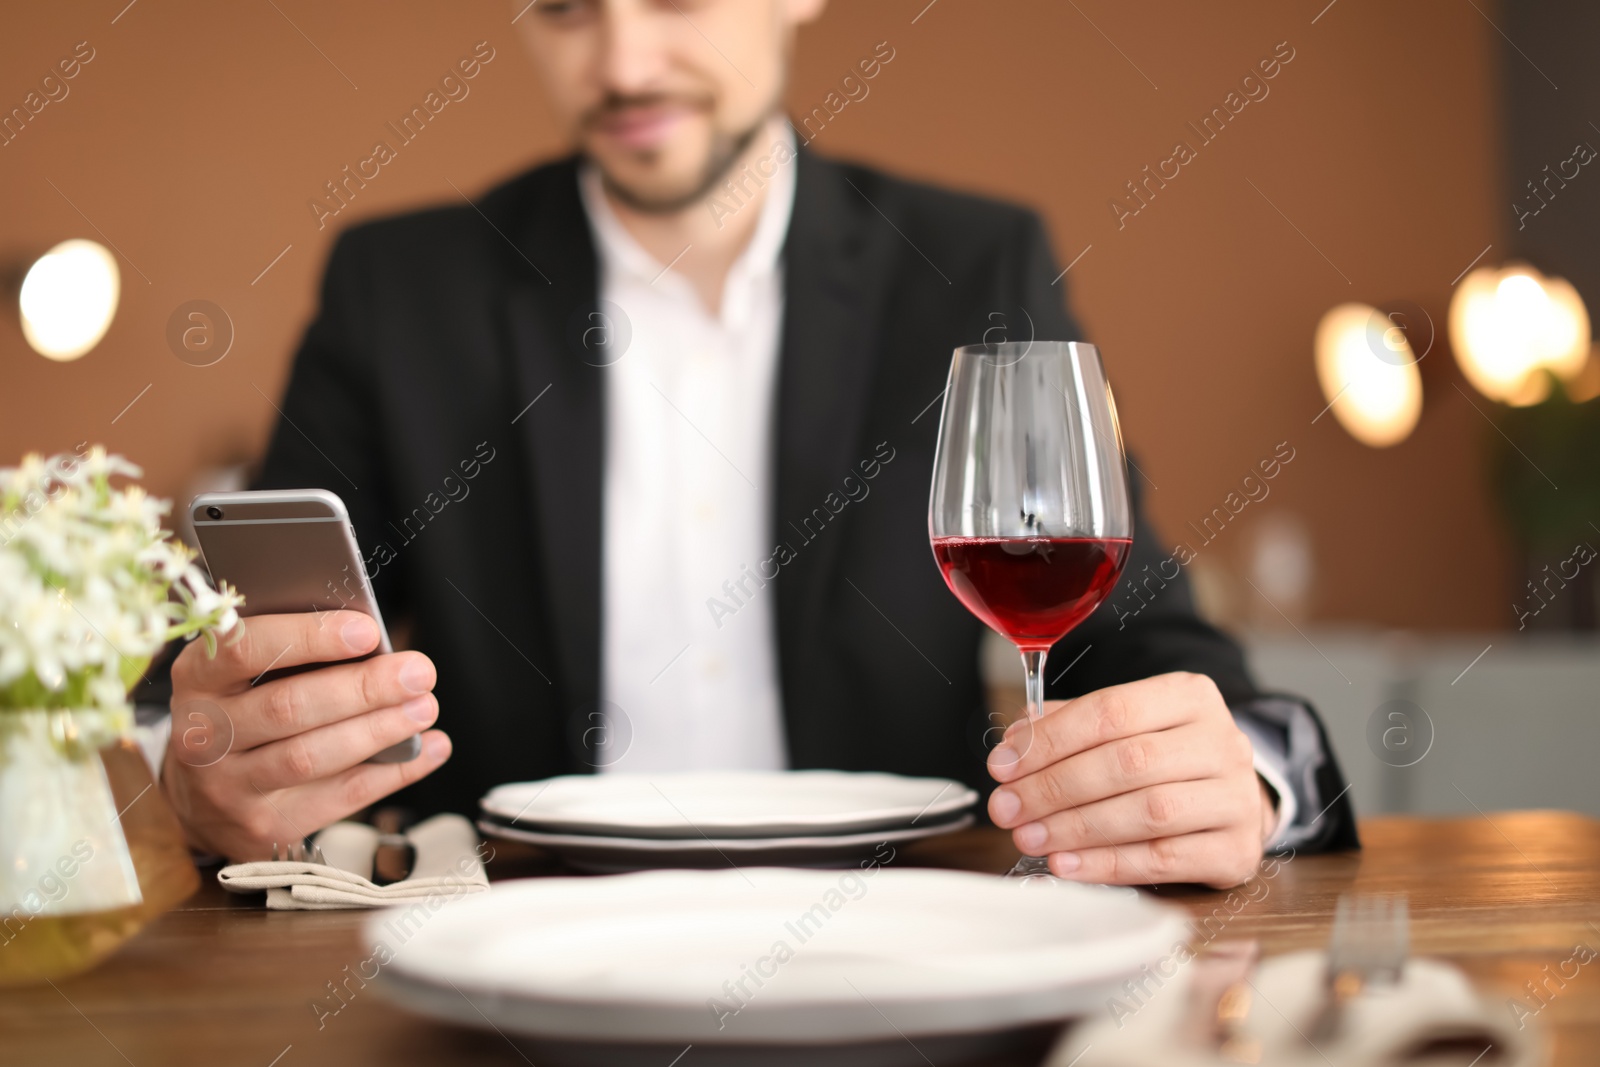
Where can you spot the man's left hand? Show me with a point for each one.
(1136, 784)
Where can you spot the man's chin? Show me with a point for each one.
(653, 183)
(654, 193)
(664, 181)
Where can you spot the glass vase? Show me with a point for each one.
(90, 852)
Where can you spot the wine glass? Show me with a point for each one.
(1029, 515)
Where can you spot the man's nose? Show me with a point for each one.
(635, 46)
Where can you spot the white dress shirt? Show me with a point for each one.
(689, 670)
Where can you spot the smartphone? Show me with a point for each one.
(291, 550)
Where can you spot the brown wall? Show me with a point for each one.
(196, 136)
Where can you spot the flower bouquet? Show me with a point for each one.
(91, 587)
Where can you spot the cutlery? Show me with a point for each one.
(1368, 947)
(396, 855)
(297, 852)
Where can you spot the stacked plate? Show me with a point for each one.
(876, 966)
(620, 822)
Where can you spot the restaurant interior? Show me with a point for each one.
(1339, 261)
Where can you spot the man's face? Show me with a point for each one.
(663, 94)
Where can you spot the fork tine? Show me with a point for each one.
(1341, 939)
(297, 852)
(1371, 933)
(1401, 947)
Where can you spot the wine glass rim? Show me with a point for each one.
(1018, 349)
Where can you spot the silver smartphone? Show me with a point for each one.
(291, 550)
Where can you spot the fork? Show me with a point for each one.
(1370, 941)
(298, 852)
(396, 855)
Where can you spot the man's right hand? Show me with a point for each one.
(296, 746)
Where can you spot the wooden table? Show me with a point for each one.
(223, 981)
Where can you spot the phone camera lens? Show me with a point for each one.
(214, 512)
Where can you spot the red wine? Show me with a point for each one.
(1032, 590)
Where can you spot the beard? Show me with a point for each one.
(725, 151)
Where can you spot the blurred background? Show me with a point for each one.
(1421, 566)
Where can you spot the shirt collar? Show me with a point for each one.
(619, 251)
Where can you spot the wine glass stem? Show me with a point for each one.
(1033, 668)
(1033, 868)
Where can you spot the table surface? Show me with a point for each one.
(221, 980)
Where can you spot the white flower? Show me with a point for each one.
(86, 581)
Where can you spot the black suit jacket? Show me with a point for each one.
(453, 342)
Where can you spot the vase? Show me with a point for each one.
(90, 852)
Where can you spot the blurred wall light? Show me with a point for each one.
(68, 298)
(1508, 324)
(1368, 374)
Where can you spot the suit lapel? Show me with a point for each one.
(833, 299)
(558, 406)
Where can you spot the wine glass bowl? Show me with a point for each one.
(1031, 590)
(1029, 516)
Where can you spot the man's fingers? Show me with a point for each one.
(272, 641)
(1167, 810)
(1106, 715)
(334, 798)
(329, 750)
(1218, 858)
(288, 706)
(287, 815)
(1183, 754)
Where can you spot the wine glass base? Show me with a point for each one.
(1032, 870)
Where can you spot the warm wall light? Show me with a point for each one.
(68, 299)
(1585, 385)
(1368, 374)
(1507, 325)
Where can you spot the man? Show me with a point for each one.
(641, 441)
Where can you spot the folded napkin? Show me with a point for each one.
(1431, 1012)
(447, 864)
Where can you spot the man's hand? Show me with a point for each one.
(1135, 784)
(252, 765)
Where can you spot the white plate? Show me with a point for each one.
(600, 852)
(726, 803)
(822, 958)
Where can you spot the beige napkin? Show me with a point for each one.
(447, 864)
(1432, 1007)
